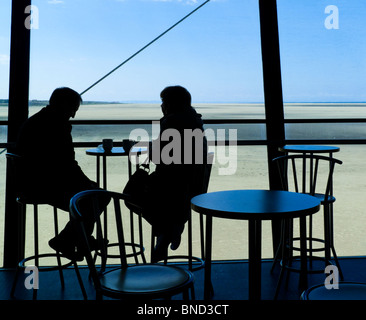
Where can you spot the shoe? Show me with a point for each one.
(67, 249)
(175, 243)
(160, 251)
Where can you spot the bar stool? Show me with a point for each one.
(304, 169)
(345, 291)
(23, 201)
(194, 263)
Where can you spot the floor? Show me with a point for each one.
(229, 279)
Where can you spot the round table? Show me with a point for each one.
(254, 206)
(309, 149)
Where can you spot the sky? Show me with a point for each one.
(215, 53)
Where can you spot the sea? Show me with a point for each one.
(214, 111)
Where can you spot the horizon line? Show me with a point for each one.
(31, 101)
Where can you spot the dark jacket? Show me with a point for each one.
(49, 166)
(174, 184)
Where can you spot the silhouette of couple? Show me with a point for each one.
(52, 172)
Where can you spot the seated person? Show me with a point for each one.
(174, 181)
(49, 169)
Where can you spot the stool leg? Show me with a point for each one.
(331, 240)
(190, 265)
(22, 230)
(141, 241)
(284, 252)
(55, 219)
(279, 248)
(132, 230)
(35, 228)
(36, 249)
(152, 242)
(310, 240)
(326, 234)
(15, 281)
(193, 294)
(80, 281)
(337, 264)
(186, 293)
(289, 246)
(303, 272)
(202, 235)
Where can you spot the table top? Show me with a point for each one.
(309, 149)
(255, 204)
(116, 151)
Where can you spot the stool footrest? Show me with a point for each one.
(140, 251)
(197, 263)
(45, 268)
(296, 259)
(308, 249)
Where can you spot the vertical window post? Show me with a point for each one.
(17, 114)
(273, 98)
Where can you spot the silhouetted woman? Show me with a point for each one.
(178, 158)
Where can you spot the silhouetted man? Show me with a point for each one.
(50, 170)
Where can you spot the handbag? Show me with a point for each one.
(137, 187)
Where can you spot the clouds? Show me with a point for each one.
(56, 1)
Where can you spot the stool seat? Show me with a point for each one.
(126, 281)
(160, 279)
(345, 291)
(322, 196)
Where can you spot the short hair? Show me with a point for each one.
(176, 98)
(66, 98)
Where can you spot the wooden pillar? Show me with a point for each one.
(17, 114)
(273, 98)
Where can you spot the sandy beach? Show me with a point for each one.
(230, 237)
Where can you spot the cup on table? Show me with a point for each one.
(127, 144)
(107, 145)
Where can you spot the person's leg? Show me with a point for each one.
(171, 235)
(69, 239)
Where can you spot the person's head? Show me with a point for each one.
(66, 100)
(175, 99)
